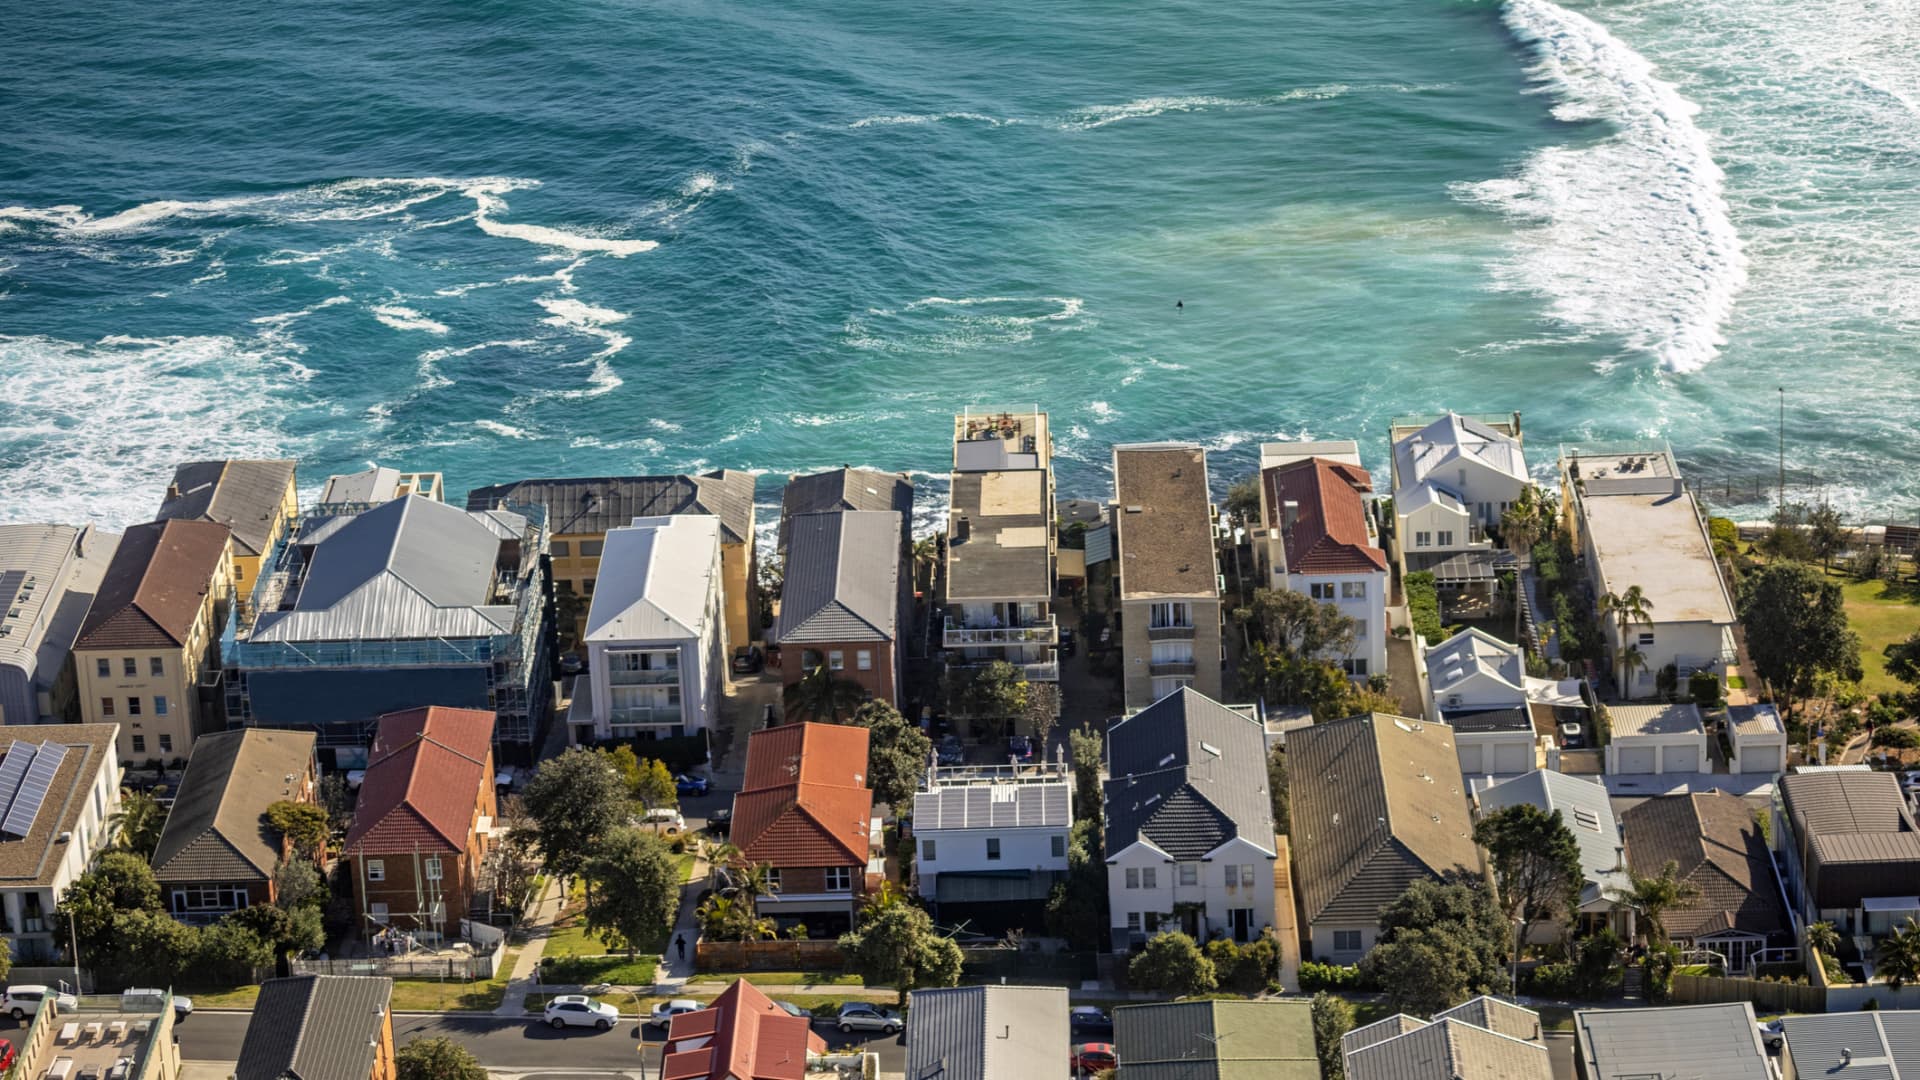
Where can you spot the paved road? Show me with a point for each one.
(507, 1043)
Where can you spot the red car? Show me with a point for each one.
(1094, 1058)
(6, 1055)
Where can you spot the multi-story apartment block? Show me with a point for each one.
(1317, 537)
(1167, 574)
(61, 786)
(256, 500)
(48, 577)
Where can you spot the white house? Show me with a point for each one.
(1759, 739)
(1317, 537)
(991, 835)
(1452, 481)
(1190, 842)
(1478, 684)
(1656, 739)
(61, 786)
(656, 633)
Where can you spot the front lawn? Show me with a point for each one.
(1882, 614)
(409, 995)
(585, 970)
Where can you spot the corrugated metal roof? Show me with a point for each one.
(842, 578)
(993, 806)
(1476, 656)
(1269, 1039)
(1188, 774)
(1856, 836)
(248, 497)
(1628, 721)
(1587, 812)
(42, 553)
(1502, 1017)
(1454, 438)
(656, 576)
(1688, 1042)
(1379, 1031)
(1450, 1049)
(985, 1032)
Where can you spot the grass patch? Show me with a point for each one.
(1882, 614)
(788, 978)
(685, 862)
(820, 1005)
(583, 970)
(1737, 682)
(569, 937)
(409, 995)
(225, 997)
(1555, 1018)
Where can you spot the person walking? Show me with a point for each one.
(680, 946)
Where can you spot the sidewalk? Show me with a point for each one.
(526, 966)
(674, 969)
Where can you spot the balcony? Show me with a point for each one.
(646, 715)
(1170, 667)
(1047, 672)
(1041, 632)
(649, 677)
(1170, 633)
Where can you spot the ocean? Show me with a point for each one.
(511, 238)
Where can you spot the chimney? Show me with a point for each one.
(173, 491)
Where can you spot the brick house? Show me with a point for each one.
(805, 812)
(841, 601)
(741, 1036)
(424, 818)
(217, 853)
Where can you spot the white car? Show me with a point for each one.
(579, 1010)
(664, 819)
(144, 999)
(664, 1012)
(23, 1000)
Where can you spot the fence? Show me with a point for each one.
(993, 964)
(768, 956)
(61, 977)
(461, 967)
(1770, 996)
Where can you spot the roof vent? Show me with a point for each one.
(1151, 799)
(1210, 748)
(1336, 817)
(1166, 761)
(1135, 509)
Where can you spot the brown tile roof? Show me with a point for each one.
(1330, 534)
(217, 829)
(1715, 843)
(154, 586)
(1163, 516)
(424, 775)
(34, 859)
(743, 1036)
(1377, 803)
(804, 800)
(246, 496)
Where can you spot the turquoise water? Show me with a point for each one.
(517, 237)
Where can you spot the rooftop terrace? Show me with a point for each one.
(998, 438)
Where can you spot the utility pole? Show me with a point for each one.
(73, 938)
(1783, 448)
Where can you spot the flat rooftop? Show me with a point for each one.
(999, 538)
(997, 438)
(1610, 463)
(1646, 531)
(97, 1044)
(1655, 720)
(1275, 454)
(1164, 515)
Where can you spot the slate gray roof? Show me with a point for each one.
(1379, 1031)
(315, 1027)
(410, 568)
(726, 494)
(844, 489)
(1450, 1049)
(1855, 834)
(217, 829)
(1588, 814)
(245, 496)
(1687, 1042)
(1188, 774)
(1377, 802)
(842, 578)
(1270, 1039)
(994, 806)
(985, 1032)
(1884, 1045)
(1495, 1015)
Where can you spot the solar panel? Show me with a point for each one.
(34, 788)
(12, 771)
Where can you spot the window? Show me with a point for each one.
(1133, 922)
(376, 869)
(129, 666)
(1446, 537)
(926, 850)
(1189, 873)
(1133, 877)
(139, 744)
(563, 586)
(1163, 616)
(209, 898)
(1233, 876)
(166, 744)
(587, 585)
(562, 548)
(1359, 629)
(863, 659)
(106, 706)
(590, 549)
(431, 865)
(1423, 539)
(1646, 638)
(159, 705)
(839, 879)
(378, 911)
(1353, 590)
(1320, 590)
(133, 706)
(1246, 874)
(1346, 941)
(1059, 846)
(103, 668)
(1355, 666)
(1149, 878)
(156, 666)
(993, 847)
(773, 879)
(836, 660)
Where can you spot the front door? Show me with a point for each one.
(1190, 923)
(1242, 920)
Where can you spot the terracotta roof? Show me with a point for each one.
(1715, 843)
(155, 585)
(424, 775)
(1330, 534)
(743, 1036)
(804, 800)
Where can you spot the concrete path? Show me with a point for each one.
(675, 969)
(526, 966)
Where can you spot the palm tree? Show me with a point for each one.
(1824, 937)
(1524, 521)
(139, 821)
(821, 695)
(1653, 897)
(1627, 608)
(1898, 957)
(926, 552)
(1631, 661)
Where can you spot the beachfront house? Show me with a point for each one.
(377, 484)
(1166, 571)
(841, 599)
(844, 489)
(61, 786)
(1453, 478)
(48, 577)
(1317, 537)
(256, 500)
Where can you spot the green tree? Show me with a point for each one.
(1826, 534)
(338, 800)
(995, 692)
(229, 952)
(1654, 896)
(1086, 748)
(1796, 623)
(1822, 936)
(1172, 964)
(1440, 943)
(1296, 624)
(437, 1058)
(305, 824)
(1243, 501)
(897, 945)
(732, 918)
(1625, 609)
(125, 880)
(1332, 1019)
(1077, 907)
(139, 821)
(1787, 540)
(1898, 957)
(298, 884)
(1536, 862)
(822, 696)
(1277, 790)
(1903, 660)
(637, 888)
(627, 764)
(897, 754)
(573, 801)
(656, 788)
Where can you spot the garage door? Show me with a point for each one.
(1682, 759)
(1512, 758)
(1470, 759)
(1760, 759)
(1635, 759)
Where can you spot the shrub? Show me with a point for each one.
(1704, 688)
(1423, 606)
(1243, 969)
(1901, 738)
(1315, 976)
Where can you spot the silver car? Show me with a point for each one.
(862, 1016)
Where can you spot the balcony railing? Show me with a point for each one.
(645, 714)
(1041, 632)
(1170, 633)
(1170, 667)
(649, 677)
(1047, 672)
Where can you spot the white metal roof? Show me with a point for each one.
(655, 576)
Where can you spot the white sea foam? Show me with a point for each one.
(487, 200)
(665, 425)
(1102, 411)
(945, 325)
(1098, 116)
(504, 430)
(899, 119)
(1630, 235)
(585, 319)
(405, 318)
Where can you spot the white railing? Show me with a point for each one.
(649, 677)
(645, 715)
(1044, 632)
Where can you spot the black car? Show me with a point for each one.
(1089, 1022)
(720, 822)
(748, 659)
(1067, 641)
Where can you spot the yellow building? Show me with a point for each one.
(148, 654)
(580, 511)
(256, 500)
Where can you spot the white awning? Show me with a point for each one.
(1891, 903)
(1564, 693)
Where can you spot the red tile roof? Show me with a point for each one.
(804, 801)
(155, 586)
(745, 1037)
(424, 776)
(1330, 534)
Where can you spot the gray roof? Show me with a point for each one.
(1884, 1045)
(1751, 720)
(656, 577)
(1689, 1042)
(616, 500)
(217, 829)
(1495, 1015)
(1269, 1039)
(1856, 836)
(844, 489)
(842, 578)
(65, 565)
(1450, 1049)
(315, 1027)
(1627, 721)
(994, 806)
(410, 568)
(1188, 774)
(1586, 811)
(245, 496)
(985, 1032)
(1481, 721)
(999, 536)
(1379, 1031)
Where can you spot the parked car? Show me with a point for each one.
(571, 664)
(1067, 641)
(950, 751)
(1089, 1020)
(1572, 735)
(579, 1010)
(143, 998)
(863, 1016)
(1094, 1058)
(720, 822)
(1020, 748)
(748, 659)
(1773, 1035)
(23, 1000)
(664, 1012)
(687, 784)
(6, 1055)
(663, 819)
(791, 1009)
